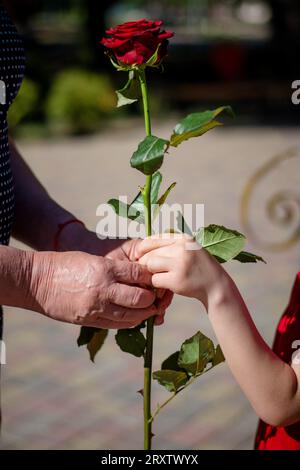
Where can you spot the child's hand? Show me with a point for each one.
(179, 264)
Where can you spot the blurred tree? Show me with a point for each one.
(79, 101)
(25, 104)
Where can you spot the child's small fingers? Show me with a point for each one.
(169, 251)
(162, 280)
(156, 263)
(159, 264)
(144, 259)
(152, 243)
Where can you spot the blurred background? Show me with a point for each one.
(239, 52)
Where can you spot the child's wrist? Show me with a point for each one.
(220, 292)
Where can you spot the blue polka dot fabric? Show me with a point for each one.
(12, 64)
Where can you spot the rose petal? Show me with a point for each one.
(166, 35)
(135, 42)
(130, 58)
(134, 26)
(136, 33)
(129, 25)
(113, 43)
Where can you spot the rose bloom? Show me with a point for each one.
(135, 42)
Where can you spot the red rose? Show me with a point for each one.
(135, 42)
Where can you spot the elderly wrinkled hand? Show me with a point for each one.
(76, 237)
(83, 289)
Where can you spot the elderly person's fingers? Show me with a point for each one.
(159, 320)
(130, 296)
(162, 305)
(110, 325)
(160, 293)
(121, 315)
(128, 272)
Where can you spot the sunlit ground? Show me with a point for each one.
(53, 397)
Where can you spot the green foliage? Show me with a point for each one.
(86, 334)
(152, 62)
(172, 380)
(182, 226)
(25, 104)
(196, 356)
(79, 101)
(161, 201)
(218, 357)
(93, 338)
(246, 257)
(124, 210)
(138, 203)
(131, 341)
(130, 92)
(171, 363)
(135, 211)
(197, 124)
(225, 244)
(149, 156)
(96, 343)
(221, 242)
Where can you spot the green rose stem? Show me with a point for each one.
(150, 323)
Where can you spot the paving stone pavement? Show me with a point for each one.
(52, 396)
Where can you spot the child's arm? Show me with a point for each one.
(271, 385)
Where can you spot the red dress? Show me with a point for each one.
(286, 342)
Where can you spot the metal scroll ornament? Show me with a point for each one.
(282, 208)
